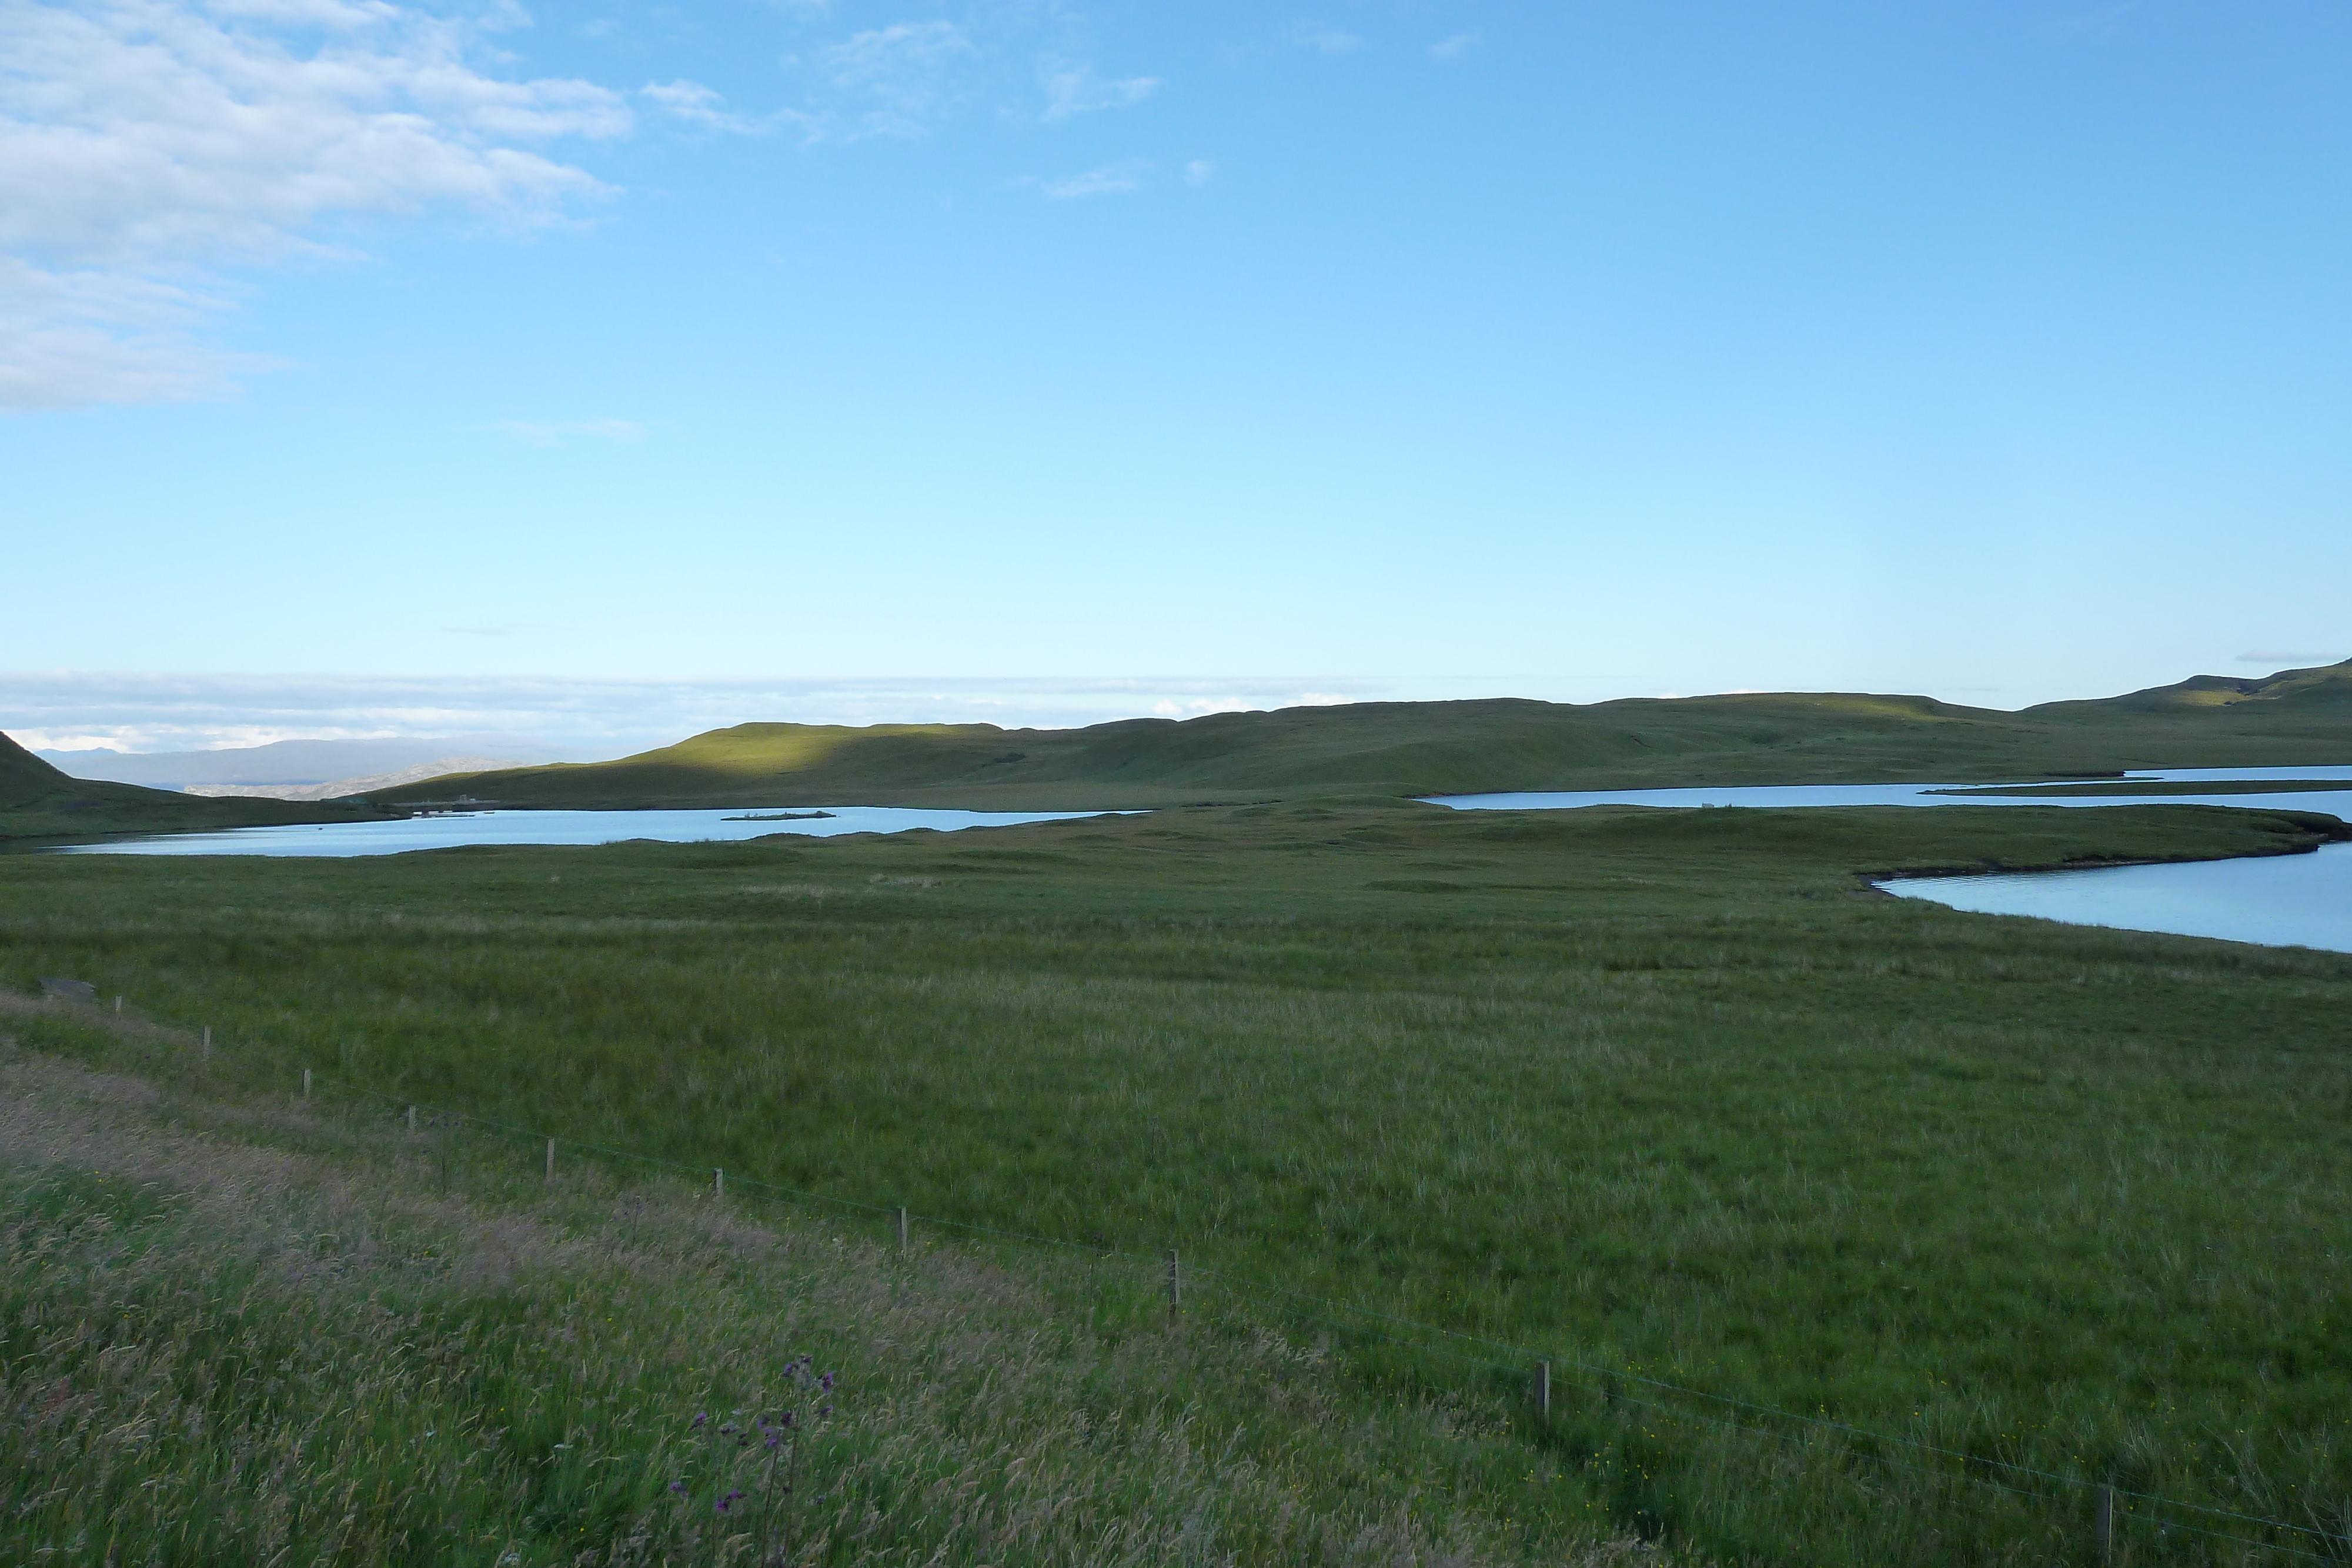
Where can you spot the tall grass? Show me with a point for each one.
(232, 1332)
(1667, 1098)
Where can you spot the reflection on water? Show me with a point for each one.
(443, 832)
(2294, 901)
(2284, 901)
(2335, 803)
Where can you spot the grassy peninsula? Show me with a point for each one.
(1659, 1095)
(2295, 717)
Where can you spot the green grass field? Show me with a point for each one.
(254, 1330)
(1667, 1093)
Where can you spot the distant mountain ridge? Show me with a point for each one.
(37, 801)
(298, 762)
(2292, 717)
(336, 788)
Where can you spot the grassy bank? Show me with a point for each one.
(1666, 1093)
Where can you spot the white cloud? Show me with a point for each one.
(1111, 180)
(146, 127)
(146, 146)
(1197, 171)
(1076, 89)
(143, 140)
(1455, 47)
(558, 432)
(1328, 40)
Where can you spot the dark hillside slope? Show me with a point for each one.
(36, 801)
(1420, 748)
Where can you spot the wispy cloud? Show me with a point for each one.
(1455, 47)
(558, 432)
(2100, 22)
(904, 74)
(145, 142)
(2259, 656)
(1327, 40)
(153, 150)
(693, 104)
(1199, 172)
(1072, 89)
(1109, 180)
(70, 339)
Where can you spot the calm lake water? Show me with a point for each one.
(2292, 900)
(2335, 803)
(552, 828)
(2286, 900)
(2283, 901)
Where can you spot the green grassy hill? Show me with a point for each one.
(36, 801)
(2298, 716)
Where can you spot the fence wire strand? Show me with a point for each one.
(1524, 1355)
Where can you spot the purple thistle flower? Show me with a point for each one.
(677, 1487)
(828, 1382)
(825, 1410)
(785, 1425)
(700, 1417)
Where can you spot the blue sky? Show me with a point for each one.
(610, 370)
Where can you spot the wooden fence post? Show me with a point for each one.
(1543, 1392)
(306, 1084)
(550, 1159)
(412, 1118)
(718, 1184)
(117, 1006)
(902, 1228)
(1175, 1285)
(2103, 1525)
(209, 1042)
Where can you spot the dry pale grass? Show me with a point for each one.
(249, 1332)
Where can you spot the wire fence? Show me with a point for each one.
(1614, 1387)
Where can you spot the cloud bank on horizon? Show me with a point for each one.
(68, 710)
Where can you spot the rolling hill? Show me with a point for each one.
(37, 801)
(2294, 717)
